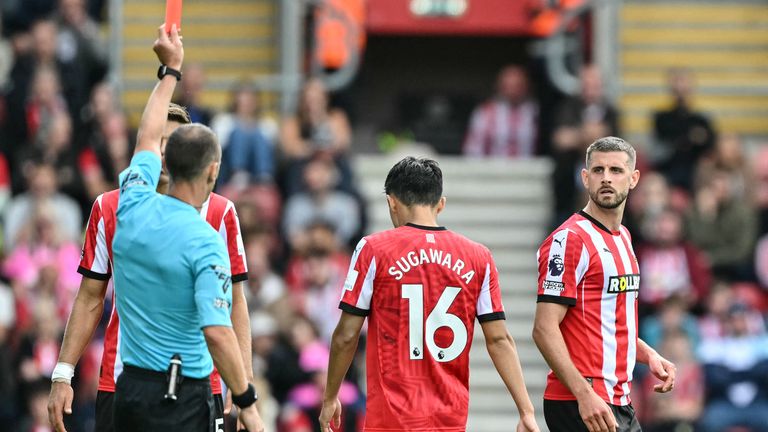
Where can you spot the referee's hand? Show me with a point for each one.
(251, 419)
(59, 402)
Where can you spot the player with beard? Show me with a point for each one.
(586, 314)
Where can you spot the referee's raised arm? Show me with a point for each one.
(170, 52)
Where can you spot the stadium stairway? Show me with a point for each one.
(232, 39)
(725, 42)
(504, 204)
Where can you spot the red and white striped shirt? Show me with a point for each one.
(96, 263)
(422, 289)
(593, 270)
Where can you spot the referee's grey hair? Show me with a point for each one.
(612, 144)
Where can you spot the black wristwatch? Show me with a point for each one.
(246, 399)
(165, 70)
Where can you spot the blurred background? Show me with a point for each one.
(314, 100)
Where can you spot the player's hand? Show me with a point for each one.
(251, 419)
(330, 415)
(59, 402)
(664, 370)
(169, 48)
(527, 423)
(597, 415)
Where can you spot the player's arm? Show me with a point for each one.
(549, 339)
(86, 312)
(170, 52)
(241, 323)
(501, 348)
(343, 348)
(660, 367)
(355, 305)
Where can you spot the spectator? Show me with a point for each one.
(579, 121)
(54, 145)
(507, 125)
(670, 266)
(6, 59)
(188, 94)
(736, 371)
(680, 409)
(42, 189)
(650, 198)
(264, 340)
(265, 290)
(318, 296)
(80, 40)
(589, 111)
(38, 349)
(8, 413)
(42, 263)
(321, 202)
(37, 408)
(317, 128)
(672, 317)
(248, 157)
(722, 226)
(760, 169)
(682, 135)
(728, 157)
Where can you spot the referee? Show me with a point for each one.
(172, 277)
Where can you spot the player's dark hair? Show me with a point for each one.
(415, 182)
(178, 114)
(611, 144)
(190, 149)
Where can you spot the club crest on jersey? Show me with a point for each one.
(624, 284)
(556, 265)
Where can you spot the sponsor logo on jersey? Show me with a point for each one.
(624, 283)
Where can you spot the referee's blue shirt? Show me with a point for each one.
(171, 275)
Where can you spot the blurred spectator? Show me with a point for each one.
(317, 294)
(736, 367)
(283, 370)
(39, 348)
(436, 124)
(712, 325)
(6, 60)
(55, 146)
(43, 263)
(682, 135)
(80, 40)
(189, 92)
(306, 399)
(723, 227)
(670, 266)
(321, 202)
(7, 374)
(507, 125)
(5, 183)
(37, 408)
(678, 410)
(42, 189)
(247, 156)
(264, 340)
(265, 290)
(650, 198)
(728, 157)
(583, 114)
(317, 128)
(578, 122)
(760, 169)
(672, 317)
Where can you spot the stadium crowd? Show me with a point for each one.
(699, 219)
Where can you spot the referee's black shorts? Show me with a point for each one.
(140, 406)
(563, 416)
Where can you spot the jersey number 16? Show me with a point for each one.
(439, 317)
